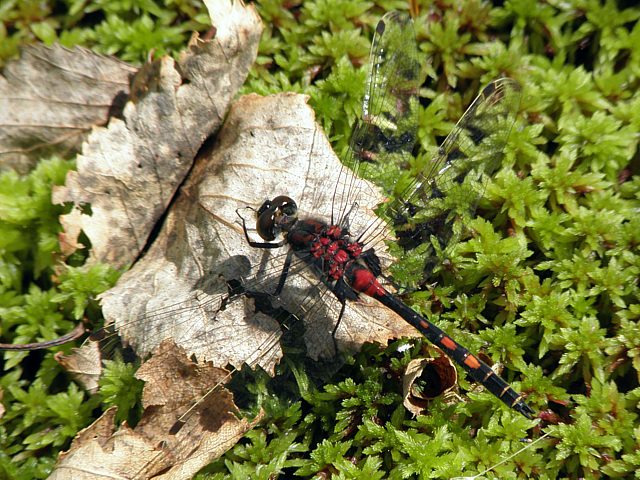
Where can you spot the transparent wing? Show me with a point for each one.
(437, 201)
(389, 112)
(209, 323)
(386, 135)
(434, 204)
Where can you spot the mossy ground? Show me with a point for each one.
(547, 284)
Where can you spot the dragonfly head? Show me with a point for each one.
(275, 216)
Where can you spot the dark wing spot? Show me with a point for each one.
(436, 192)
(489, 89)
(476, 134)
(455, 154)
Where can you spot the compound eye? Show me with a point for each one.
(275, 216)
(266, 205)
(286, 205)
(265, 224)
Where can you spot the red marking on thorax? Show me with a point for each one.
(355, 249)
(334, 232)
(329, 244)
(341, 256)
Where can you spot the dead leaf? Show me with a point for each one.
(69, 240)
(129, 171)
(173, 383)
(84, 364)
(438, 376)
(52, 96)
(267, 147)
(179, 289)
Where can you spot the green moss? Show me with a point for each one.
(40, 300)
(546, 282)
(130, 29)
(552, 278)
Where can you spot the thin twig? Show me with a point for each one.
(77, 332)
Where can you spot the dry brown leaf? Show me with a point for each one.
(130, 170)
(84, 363)
(267, 147)
(442, 375)
(173, 383)
(52, 96)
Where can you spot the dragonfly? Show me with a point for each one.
(336, 254)
(338, 251)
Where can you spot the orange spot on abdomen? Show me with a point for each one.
(472, 362)
(446, 342)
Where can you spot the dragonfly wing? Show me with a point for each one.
(385, 137)
(389, 113)
(447, 192)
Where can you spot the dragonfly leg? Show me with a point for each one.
(335, 328)
(284, 273)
